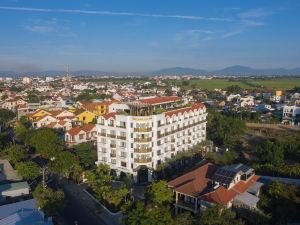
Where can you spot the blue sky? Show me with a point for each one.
(145, 35)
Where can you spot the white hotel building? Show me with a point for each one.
(136, 140)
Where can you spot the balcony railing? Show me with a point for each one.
(121, 137)
(103, 134)
(113, 145)
(121, 126)
(141, 140)
(111, 135)
(188, 205)
(142, 129)
(142, 150)
(113, 155)
(142, 160)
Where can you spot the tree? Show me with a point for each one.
(142, 214)
(49, 200)
(6, 116)
(217, 215)
(235, 89)
(116, 196)
(28, 170)
(21, 132)
(168, 92)
(224, 130)
(64, 164)
(86, 154)
(281, 201)
(270, 151)
(159, 193)
(16, 153)
(46, 142)
(184, 218)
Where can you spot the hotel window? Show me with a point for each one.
(104, 159)
(123, 164)
(113, 161)
(123, 144)
(123, 154)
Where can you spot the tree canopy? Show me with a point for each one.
(28, 170)
(49, 200)
(16, 153)
(46, 142)
(86, 153)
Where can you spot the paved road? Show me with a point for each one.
(77, 209)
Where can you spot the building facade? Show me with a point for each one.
(137, 140)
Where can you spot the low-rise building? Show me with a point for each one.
(78, 135)
(291, 115)
(209, 184)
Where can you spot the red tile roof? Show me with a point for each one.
(194, 182)
(74, 131)
(242, 186)
(160, 100)
(110, 115)
(192, 108)
(222, 195)
(88, 127)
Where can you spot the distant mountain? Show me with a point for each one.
(179, 71)
(247, 71)
(228, 71)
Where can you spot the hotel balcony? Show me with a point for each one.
(103, 134)
(141, 140)
(142, 129)
(113, 155)
(111, 135)
(142, 150)
(142, 160)
(186, 205)
(121, 126)
(121, 137)
(113, 145)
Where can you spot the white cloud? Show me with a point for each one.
(255, 13)
(112, 13)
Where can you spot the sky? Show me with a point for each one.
(147, 35)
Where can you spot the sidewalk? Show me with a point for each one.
(78, 191)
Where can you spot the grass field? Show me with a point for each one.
(272, 83)
(220, 83)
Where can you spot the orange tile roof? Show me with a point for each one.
(194, 182)
(110, 115)
(88, 127)
(222, 195)
(192, 108)
(242, 186)
(74, 131)
(160, 100)
(55, 112)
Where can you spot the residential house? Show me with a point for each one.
(208, 185)
(78, 135)
(291, 115)
(84, 116)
